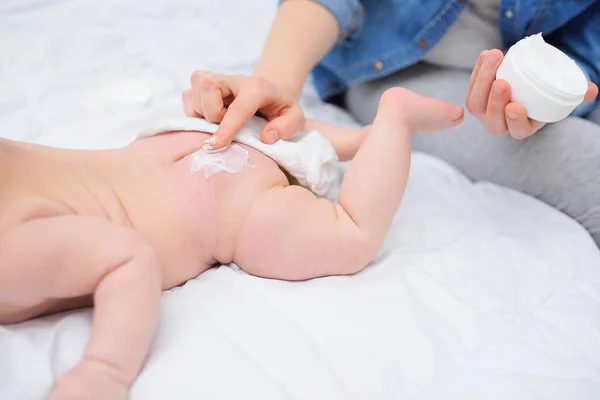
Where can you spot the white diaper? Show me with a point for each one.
(308, 156)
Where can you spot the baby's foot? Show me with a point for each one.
(90, 380)
(420, 113)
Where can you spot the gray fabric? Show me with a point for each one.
(475, 30)
(595, 116)
(559, 165)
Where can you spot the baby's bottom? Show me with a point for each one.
(290, 234)
(559, 165)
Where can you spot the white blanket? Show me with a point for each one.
(479, 292)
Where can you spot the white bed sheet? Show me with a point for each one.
(479, 292)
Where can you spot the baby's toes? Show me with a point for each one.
(430, 115)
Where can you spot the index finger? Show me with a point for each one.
(238, 113)
(474, 74)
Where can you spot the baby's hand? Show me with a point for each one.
(420, 113)
(90, 381)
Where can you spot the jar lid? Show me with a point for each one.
(549, 69)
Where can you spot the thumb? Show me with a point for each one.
(284, 126)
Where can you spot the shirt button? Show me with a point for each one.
(509, 14)
(334, 86)
(462, 1)
(423, 43)
(378, 65)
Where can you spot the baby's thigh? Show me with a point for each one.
(291, 234)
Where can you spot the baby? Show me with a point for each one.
(113, 228)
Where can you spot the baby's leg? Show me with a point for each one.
(70, 256)
(345, 141)
(308, 237)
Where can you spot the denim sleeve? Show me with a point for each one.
(348, 14)
(580, 40)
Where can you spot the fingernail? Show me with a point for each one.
(272, 136)
(212, 151)
(512, 116)
(209, 144)
(491, 59)
(499, 90)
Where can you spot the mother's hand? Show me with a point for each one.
(231, 100)
(488, 99)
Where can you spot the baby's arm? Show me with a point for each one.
(68, 256)
(290, 234)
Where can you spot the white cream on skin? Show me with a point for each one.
(308, 157)
(231, 159)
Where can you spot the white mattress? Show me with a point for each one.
(479, 292)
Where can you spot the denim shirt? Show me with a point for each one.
(379, 37)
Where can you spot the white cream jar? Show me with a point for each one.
(543, 79)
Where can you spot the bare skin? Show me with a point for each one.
(113, 228)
